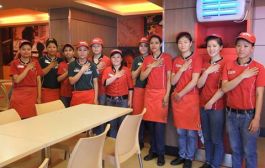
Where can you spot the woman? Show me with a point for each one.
(212, 103)
(49, 64)
(156, 69)
(139, 86)
(119, 87)
(243, 81)
(66, 88)
(102, 62)
(84, 77)
(185, 99)
(26, 74)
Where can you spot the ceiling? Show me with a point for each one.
(15, 12)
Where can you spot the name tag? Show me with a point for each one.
(47, 61)
(178, 65)
(88, 72)
(139, 63)
(230, 72)
(76, 70)
(20, 66)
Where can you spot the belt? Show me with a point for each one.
(117, 97)
(241, 111)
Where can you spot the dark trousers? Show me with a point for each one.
(157, 137)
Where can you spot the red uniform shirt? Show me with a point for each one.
(212, 84)
(30, 80)
(157, 79)
(243, 96)
(186, 76)
(120, 86)
(66, 87)
(107, 63)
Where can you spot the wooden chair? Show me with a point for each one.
(44, 163)
(49, 107)
(87, 152)
(4, 101)
(118, 150)
(8, 116)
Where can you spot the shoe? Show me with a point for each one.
(160, 160)
(150, 156)
(206, 165)
(177, 161)
(187, 163)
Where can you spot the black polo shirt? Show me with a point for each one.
(50, 79)
(136, 63)
(86, 80)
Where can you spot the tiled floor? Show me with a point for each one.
(57, 155)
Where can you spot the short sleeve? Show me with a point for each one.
(38, 69)
(168, 63)
(94, 70)
(135, 64)
(71, 69)
(129, 79)
(61, 69)
(13, 69)
(261, 77)
(42, 62)
(197, 64)
(225, 72)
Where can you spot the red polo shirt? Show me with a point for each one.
(66, 87)
(157, 79)
(212, 84)
(120, 86)
(186, 76)
(17, 67)
(243, 96)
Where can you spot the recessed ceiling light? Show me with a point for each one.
(1, 6)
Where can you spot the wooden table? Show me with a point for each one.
(54, 127)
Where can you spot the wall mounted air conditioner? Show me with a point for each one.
(220, 10)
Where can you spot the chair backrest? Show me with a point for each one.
(44, 163)
(49, 107)
(8, 116)
(127, 142)
(4, 101)
(88, 151)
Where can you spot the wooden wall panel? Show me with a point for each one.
(59, 31)
(177, 21)
(129, 30)
(176, 4)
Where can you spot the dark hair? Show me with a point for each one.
(253, 44)
(183, 34)
(51, 40)
(217, 39)
(68, 45)
(28, 33)
(155, 36)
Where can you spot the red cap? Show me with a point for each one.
(96, 40)
(115, 51)
(144, 40)
(82, 43)
(247, 36)
(23, 42)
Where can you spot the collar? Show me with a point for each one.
(49, 58)
(158, 56)
(99, 59)
(245, 64)
(188, 57)
(215, 62)
(24, 63)
(114, 70)
(77, 61)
